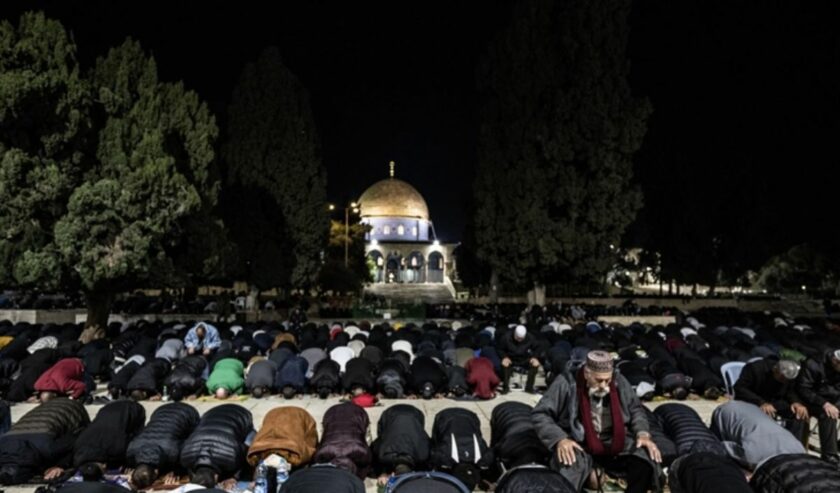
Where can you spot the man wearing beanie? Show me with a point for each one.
(819, 388)
(518, 348)
(771, 385)
(594, 418)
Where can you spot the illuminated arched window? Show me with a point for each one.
(414, 231)
(400, 230)
(386, 230)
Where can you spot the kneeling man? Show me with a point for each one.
(593, 417)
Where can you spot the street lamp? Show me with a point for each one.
(355, 208)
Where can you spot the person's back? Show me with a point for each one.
(401, 438)
(218, 442)
(65, 378)
(290, 432)
(106, 439)
(227, 376)
(159, 444)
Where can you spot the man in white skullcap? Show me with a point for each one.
(518, 348)
(594, 418)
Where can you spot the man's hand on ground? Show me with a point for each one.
(651, 447)
(566, 451)
(53, 473)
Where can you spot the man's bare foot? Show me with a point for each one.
(32, 400)
(155, 397)
(192, 397)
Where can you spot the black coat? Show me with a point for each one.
(326, 375)
(219, 440)
(313, 480)
(160, 442)
(757, 385)
(684, 426)
(149, 377)
(705, 472)
(109, 434)
(30, 369)
(119, 379)
(187, 375)
(457, 379)
(533, 478)
(97, 357)
(795, 473)
(424, 370)
(42, 438)
(513, 438)
(401, 438)
(358, 372)
(261, 374)
(459, 428)
(90, 487)
(519, 352)
(819, 382)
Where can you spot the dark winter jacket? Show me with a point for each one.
(358, 372)
(426, 370)
(31, 369)
(556, 415)
(150, 376)
(261, 374)
(326, 375)
(312, 480)
(513, 438)
(819, 382)
(533, 478)
(456, 439)
(187, 376)
(757, 385)
(97, 357)
(706, 472)
(344, 441)
(796, 473)
(457, 379)
(108, 436)
(519, 352)
(392, 377)
(401, 438)
(219, 440)
(159, 444)
(686, 428)
(42, 438)
(292, 374)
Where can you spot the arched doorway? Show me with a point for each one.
(376, 264)
(435, 267)
(414, 269)
(392, 268)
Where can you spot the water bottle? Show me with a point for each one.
(165, 396)
(261, 481)
(282, 472)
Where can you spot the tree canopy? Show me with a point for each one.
(559, 127)
(105, 172)
(272, 144)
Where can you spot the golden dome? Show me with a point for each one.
(392, 197)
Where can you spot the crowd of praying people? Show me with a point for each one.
(591, 420)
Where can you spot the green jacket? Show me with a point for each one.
(227, 374)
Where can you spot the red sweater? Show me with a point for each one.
(482, 376)
(65, 377)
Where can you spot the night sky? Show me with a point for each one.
(396, 80)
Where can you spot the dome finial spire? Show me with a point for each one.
(392, 165)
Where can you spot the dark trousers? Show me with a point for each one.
(529, 384)
(797, 427)
(828, 432)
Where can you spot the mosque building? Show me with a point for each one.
(401, 245)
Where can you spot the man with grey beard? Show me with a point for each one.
(593, 417)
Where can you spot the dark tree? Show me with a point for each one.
(116, 199)
(559, 127)
(272, 146)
